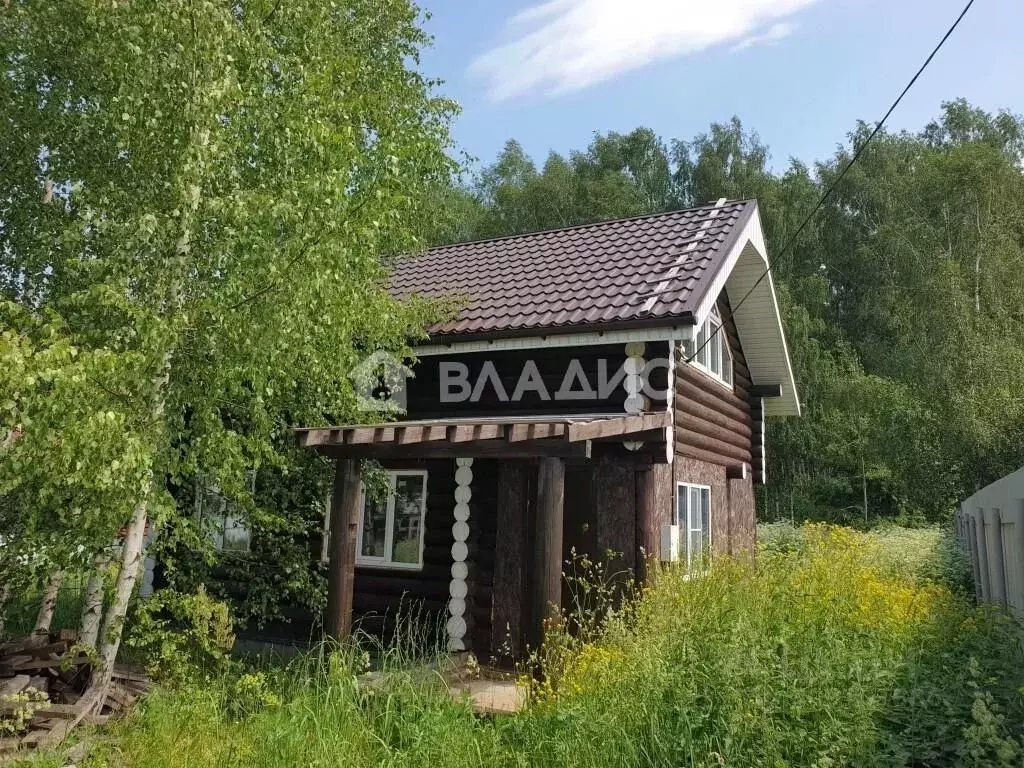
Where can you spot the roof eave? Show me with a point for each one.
(668, 322)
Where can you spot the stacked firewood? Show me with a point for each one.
(43, 685)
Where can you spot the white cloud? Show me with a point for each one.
(773, 34)
(565, 45)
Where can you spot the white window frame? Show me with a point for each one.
(717, 347)
(686, 526)
(365, 561)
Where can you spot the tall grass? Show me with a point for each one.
(834, 648)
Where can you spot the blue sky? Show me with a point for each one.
(800, 72)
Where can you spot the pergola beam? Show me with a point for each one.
(619, 427)
(497, 449)
(509, 437)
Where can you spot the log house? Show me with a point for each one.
(604, 389)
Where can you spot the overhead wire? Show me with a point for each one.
(835, 182)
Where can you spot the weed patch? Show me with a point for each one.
(833, 648)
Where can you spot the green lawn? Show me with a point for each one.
(836, 648)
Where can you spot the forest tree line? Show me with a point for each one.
(903, 299)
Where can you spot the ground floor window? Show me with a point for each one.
(220, 518)
(391, 528)
(693, 516)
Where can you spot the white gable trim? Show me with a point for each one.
(758, 321)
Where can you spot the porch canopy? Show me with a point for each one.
(497, 437)
(549, 441)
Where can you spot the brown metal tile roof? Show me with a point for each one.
(615, 273)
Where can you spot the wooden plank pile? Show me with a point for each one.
(43, 685)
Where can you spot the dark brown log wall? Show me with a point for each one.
(382, 594)
(714, 423)
(514, 511)
(483, 524)
(718, 427)
(614, 490)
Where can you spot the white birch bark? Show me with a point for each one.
(41, 632)
(92, 609)
(5, 595)
(113, 622)
(131, 564)
(977, 263)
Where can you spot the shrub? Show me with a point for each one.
(182, 636)
(17, 709)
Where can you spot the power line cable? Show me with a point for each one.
(835, 182)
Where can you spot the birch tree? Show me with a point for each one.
(92, 605)
(202, 191)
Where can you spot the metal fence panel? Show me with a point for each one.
(990, 527)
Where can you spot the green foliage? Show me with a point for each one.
(250, 693)
(928, 554)
(68, 450)
(281, 572)
(182, 636)
(598, 597)
(197, 201)
(18, 709)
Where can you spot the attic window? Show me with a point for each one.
(714, 357)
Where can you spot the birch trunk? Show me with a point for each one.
(977, 264)
(92, 610)
(977, 283)
(5, 595)
(113, 622)
(41, 633)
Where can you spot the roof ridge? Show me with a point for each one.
(713, 205)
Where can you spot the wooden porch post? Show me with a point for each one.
(341, 567)
(547, 597)
(509, 621)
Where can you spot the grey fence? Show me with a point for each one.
(990, 526)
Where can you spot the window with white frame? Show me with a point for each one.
(391, 528)
(714, 357)
(693, 516)
(220, 517)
